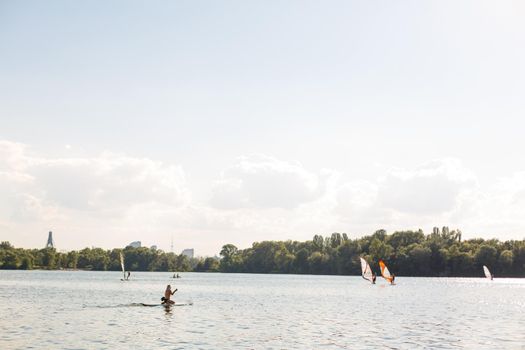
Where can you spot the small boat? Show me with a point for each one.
(386, 273)
(366, 271)
(487, 273)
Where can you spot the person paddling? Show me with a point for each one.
(166, 299)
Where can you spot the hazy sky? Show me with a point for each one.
(237, 121)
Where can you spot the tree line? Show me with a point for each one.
(97, 259)
(407, 253)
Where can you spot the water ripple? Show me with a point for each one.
(93, 310)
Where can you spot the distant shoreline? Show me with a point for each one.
(442, 253)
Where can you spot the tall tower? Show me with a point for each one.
(50, 243)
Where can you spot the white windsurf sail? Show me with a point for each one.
(384, 272)
(487, 272)
(122, 265)
(366, 271)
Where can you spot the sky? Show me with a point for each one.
(214, 122)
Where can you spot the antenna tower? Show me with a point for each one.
(50, 242)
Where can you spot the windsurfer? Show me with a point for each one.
(129, 274)
(393, 278)
(373, 278)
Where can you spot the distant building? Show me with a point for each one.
(50, 242)
(153, 247)
(188, 252)
(136, 244)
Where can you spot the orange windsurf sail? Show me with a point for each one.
(384, 271)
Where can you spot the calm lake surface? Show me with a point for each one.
(95, 310)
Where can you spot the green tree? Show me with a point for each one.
(183, 263)
(318, 243)
(318, 263)
(49, 258)
(208, 265)
(380, 250)
(405, 238)
(348, 254)
(27, 262)
(420, 257)
(486, 255)
(519, 257)
(263, 256)
(230, 258)
(301, 264)
(72, 259)
(11, 260)
(6, 245)
(336, 240)
(505, 261)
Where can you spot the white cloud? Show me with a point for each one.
(501, 208)
(259, 181)
(433, 188)
(438, 192)
(435, 193)
(355, 196)
(12, 156)
(111, 199)
(261, 198)
(109, 184)
(105, 200)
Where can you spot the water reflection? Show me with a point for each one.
(168, 310)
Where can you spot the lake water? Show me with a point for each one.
(95, 310)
